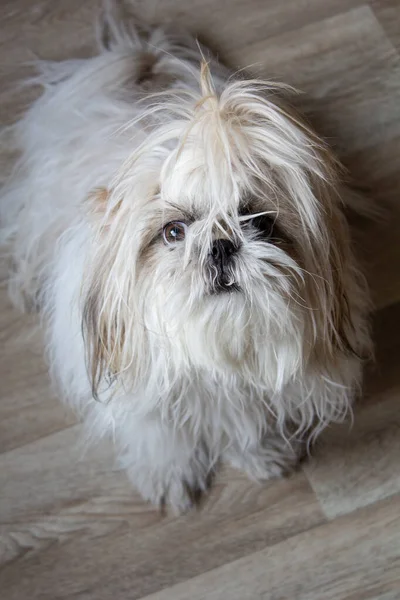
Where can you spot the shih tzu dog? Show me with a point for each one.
(182, 234)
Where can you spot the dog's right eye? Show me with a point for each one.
(264, 224)
(174, 232)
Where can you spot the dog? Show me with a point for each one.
(182, 234)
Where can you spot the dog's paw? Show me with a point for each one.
(172, 491)
(181, 496)
(178, 485)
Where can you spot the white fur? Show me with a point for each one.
(180, 376)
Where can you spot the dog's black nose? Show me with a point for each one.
(221, 252)
(222, 274)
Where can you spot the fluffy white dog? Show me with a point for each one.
(182, 234)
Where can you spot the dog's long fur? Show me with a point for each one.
(140, 339)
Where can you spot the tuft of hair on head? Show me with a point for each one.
(206, 84)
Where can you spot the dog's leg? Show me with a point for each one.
(166, 466)
(271, 457)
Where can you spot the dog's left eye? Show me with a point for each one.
(264, 224)
(174, 232)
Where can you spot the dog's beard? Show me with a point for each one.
(241, 319)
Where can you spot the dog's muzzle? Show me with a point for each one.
(221, 262)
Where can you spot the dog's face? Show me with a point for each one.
(218, 271)
(221, 248)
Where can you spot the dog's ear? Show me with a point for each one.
(108, 308)
(338, 290)
(335, 290)
(102, 335)
(115, 338)
(103, 341)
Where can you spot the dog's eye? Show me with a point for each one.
(264, 224)
(174, 232)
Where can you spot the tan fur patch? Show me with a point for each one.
(99, 198)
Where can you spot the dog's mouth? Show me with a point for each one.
(223, 282)
(224, 287)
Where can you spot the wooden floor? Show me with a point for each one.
(70, 525)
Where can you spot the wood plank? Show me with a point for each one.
(354, 467)
(76, 527)
(353, 558)
(382, 377)
(29, 407)
(349, 71)
(42, 24)
(230, 27)
(376, 171)
(350, 469)
(388, 14)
